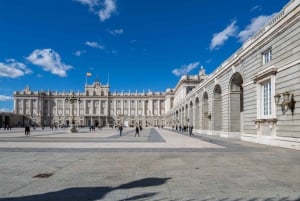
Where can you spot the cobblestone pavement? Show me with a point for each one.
(159, 165)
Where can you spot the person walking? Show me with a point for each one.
(27, 129)
(191, 130)
(137, 131)
(120, 129)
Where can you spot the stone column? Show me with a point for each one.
(15, 107)
(56, 111)
(92, 107)
(23, 107)
(158, 107)
(143, 109)
(136, 108)
(115, 108)
(64, 107)
(49, 107)
(122, 107)
(78, 108)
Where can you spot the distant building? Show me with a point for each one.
(95, 106)
(254, 95)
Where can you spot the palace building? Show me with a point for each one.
(254, 95)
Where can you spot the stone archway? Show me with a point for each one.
(217, 109)
(205, 115)
(191, 114)
(236, 103)
(186, 115)
(197, 113)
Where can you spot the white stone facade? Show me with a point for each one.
(96, 106)
(237, 100)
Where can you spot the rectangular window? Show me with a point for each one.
(267, 56)
(267, 101)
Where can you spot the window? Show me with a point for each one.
(267, 56)
(267, 94)
(265, 86)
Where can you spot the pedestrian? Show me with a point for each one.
(191, 130)
(120, 129)
(137, 131)
(27, 130)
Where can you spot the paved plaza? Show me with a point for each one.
(158, 165)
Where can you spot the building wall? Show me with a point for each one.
(243, 116)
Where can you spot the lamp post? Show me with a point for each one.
(72, 99)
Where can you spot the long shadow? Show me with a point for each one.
(92, 193)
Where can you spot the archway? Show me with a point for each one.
(197, 113)
(205, 115)
(191, 114)
(236, 103)
(186, 115)
(217, 109)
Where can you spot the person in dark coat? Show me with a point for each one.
(137, 131)
(191, 130)
(27, 130)
(120, 129)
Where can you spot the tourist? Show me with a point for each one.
(137, 131)
(27, 130)
(191, 130)
(120, 129)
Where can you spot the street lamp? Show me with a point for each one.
(72, 99)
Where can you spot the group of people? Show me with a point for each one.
(184, 129)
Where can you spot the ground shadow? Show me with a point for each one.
(93, 193)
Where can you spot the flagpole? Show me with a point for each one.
(108, 78)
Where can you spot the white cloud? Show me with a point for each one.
(50, 61)
(94, 45)
(13, 69)
(5, 110)
(90, 3)
(109, 8)
(5, 98)
(104, 10)
(79, 53)
(254, 26)
(185, 69)
(257, 7)
(116, 32)
(220, 38)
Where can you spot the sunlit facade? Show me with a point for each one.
(252, 96)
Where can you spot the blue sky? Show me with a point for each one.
(138, 44)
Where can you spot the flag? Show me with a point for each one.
(88, 74)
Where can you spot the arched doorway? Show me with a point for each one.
(205, 115)
(217, 109)
(191, 114)
(236, 103)
(197, 113)
(186, 115)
